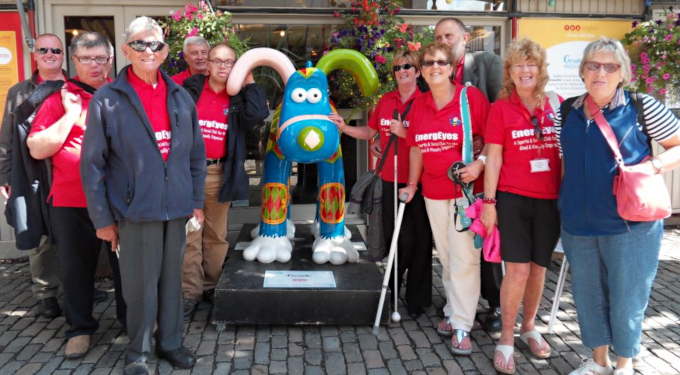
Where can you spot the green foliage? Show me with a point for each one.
(215, 27)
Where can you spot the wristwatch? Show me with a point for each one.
(482, 158)
(657, 164)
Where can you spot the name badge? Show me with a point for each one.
(540, 165)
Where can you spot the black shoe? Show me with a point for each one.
(440, 312)
(99, 296)
(178, 358)
(415, 312)
(136, 368)
(49, 308)
(189, 307)
(209, 296)
(494, 320)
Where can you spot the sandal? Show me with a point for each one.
(444, 327)
(460, 335)
(534, 335)
(507, 351)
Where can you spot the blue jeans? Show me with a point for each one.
(612, 278)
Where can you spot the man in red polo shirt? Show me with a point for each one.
(195, 53)
(57, 133)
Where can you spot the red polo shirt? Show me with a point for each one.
(155, 103)
(509, 125)
(438, 133)
(380, 120)
(67, 188)
(181, 76)
(458, 77)
(213, 108)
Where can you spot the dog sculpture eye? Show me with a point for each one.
(299, 95)
(314, 95)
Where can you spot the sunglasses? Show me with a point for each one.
(430, 63)
(43, 51)
(537, 128)
(595, 67)
(397, 68)
(141, 45)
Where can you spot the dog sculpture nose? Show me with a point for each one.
(310, 138)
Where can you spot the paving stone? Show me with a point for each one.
(331, 344)
(313, 357)
(203, 366)
(206, 348)
(356, 369)
(262, 353)
(243, 359)
(314, 370)
(335, 363)
(29, 369)
(28, 351)
(372, 359)
(295, 365)
(313, 340)
(278, 367)
(222, 368)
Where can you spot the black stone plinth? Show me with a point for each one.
(240, 297)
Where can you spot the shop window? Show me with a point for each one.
(77, 25)
(458, 5)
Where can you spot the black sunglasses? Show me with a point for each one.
(537, 128)
(141, 45)
(595, 66)
(429, 63)
(397, 68)
(43, 51)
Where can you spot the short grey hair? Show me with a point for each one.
(608, 46)
(194, 41)
(141, 24)
(90, 39)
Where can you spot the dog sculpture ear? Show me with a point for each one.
(356, 64)
(254, 58)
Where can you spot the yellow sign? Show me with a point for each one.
(9, 66)
(564, 41)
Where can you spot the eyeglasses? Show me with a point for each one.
(537, 128)
(397, 68)
(430, 63)
(43, 51)
(87, 59)
(141, 45)
(595, 67)
(220, 63)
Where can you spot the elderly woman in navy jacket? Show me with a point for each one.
(143, 170)
(224, 121)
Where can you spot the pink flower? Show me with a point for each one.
(189, 16)
(177, 16)
(190, 8)
(663, 91)
(413, 46)
(668, 37)
(666, 76)
(649, 80)
(650, 90)
(199, 16)
(646, 68)
(193, 32)
(380, 59)
(644, 55)
(336, 14)
(403, 27)
(632, 67)
(632, 79)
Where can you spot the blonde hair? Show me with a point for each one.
(612, 47)
(518, 51)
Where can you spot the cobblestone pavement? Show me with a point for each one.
(33, 345)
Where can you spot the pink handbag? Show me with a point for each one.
(640, 195)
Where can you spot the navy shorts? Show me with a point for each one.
(529, 228)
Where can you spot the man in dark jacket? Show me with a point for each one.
(143, 170)
(483, 70)
(224, 121)
(49, 56)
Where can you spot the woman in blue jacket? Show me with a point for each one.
(613, 261)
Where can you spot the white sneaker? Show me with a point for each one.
(625, 371)
(589, 367)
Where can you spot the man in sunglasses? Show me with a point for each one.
(195, 53)
(483, 70)
(57, 135)
(143, 168)
(16, 167)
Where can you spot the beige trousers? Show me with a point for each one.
(460, 261)
(207, 247)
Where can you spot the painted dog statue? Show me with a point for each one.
(302, 132)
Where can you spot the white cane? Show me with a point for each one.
(395, 315)
(390, 258)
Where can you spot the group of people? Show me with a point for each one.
(542, 169)
(125, 163)
(132, 159)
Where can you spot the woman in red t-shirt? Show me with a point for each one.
(415, 239)
(523, 176)
(435, 136)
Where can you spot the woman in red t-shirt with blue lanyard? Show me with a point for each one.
(436, 136)
(415, 239)
(523, 176)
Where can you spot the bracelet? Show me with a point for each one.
(491, 201)
(412, 184)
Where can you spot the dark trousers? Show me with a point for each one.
(79, 247)
(492, 277)
(151, 255)
(414, 247)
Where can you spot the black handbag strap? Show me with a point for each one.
(389, 142)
